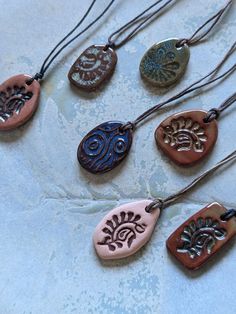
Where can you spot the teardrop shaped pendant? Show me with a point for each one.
(185, 138)
(124, 230)
(103, 148)
(18, 101)
(201, 236)
(94, 66)
(165, 63)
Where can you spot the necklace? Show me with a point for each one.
(107, 145)
(188, 136)
(127, 228)
(19, 95)
(97, 63)
(166, 62)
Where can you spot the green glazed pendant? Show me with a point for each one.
(165, 63)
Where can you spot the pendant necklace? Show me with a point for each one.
(188, 136)
(97, 63)
(166, 62)
(19, 95)
(104, 148)
(127, 228)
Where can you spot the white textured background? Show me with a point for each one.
(49, 206)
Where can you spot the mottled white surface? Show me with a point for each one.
(50, 206)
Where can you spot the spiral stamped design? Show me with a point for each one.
(104, 147)
(200, 237)
(121, 230)
(185, 135)
(163, 64)
(12, 101)
(94, 65)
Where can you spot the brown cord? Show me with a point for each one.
(196, 37)
(144, 19)
(193, 87)
(162, 203)
(61, 46)
(214, 113)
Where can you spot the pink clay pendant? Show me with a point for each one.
(124, 230)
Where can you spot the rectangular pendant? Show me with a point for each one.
(201, 236)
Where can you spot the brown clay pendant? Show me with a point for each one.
(97, 63)
(202, 235)
(189, 136)
(19, 95)
(185, 138)
(127, 228)
(18, 101)
(166, 62)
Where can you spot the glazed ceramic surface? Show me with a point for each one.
(50, 206)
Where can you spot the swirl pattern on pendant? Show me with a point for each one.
(201, 236)
(122, 230)
(185, 135)
(104, 147)
(12, 101)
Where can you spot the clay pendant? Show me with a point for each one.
(164, 63)
(95, 65)
(201, 236)
(185, 138)
(103, 148)
(18, 101)
(124, 230)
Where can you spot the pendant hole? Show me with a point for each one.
(181, 43)
(121, 130)
(29, 81)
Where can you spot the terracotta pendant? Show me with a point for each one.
(124, 230)
(95, 65)
(18, 101)
(103, 148)
(164, 63)
(185, 138)
(201, 236)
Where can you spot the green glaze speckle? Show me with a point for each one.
(164, 64)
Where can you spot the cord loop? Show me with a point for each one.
(157, 203)
(128, 126)
(182, 42)
(213, 114)
(228, 215)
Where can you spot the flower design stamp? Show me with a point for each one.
(163, 64)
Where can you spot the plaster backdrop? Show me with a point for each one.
(49, 206)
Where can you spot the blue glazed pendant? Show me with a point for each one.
(165, 63)
(103, 148)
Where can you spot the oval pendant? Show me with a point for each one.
(103, 148)
(18, 101)
(124, 230)
(95, 65)
(185, 138)
(164, 63)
